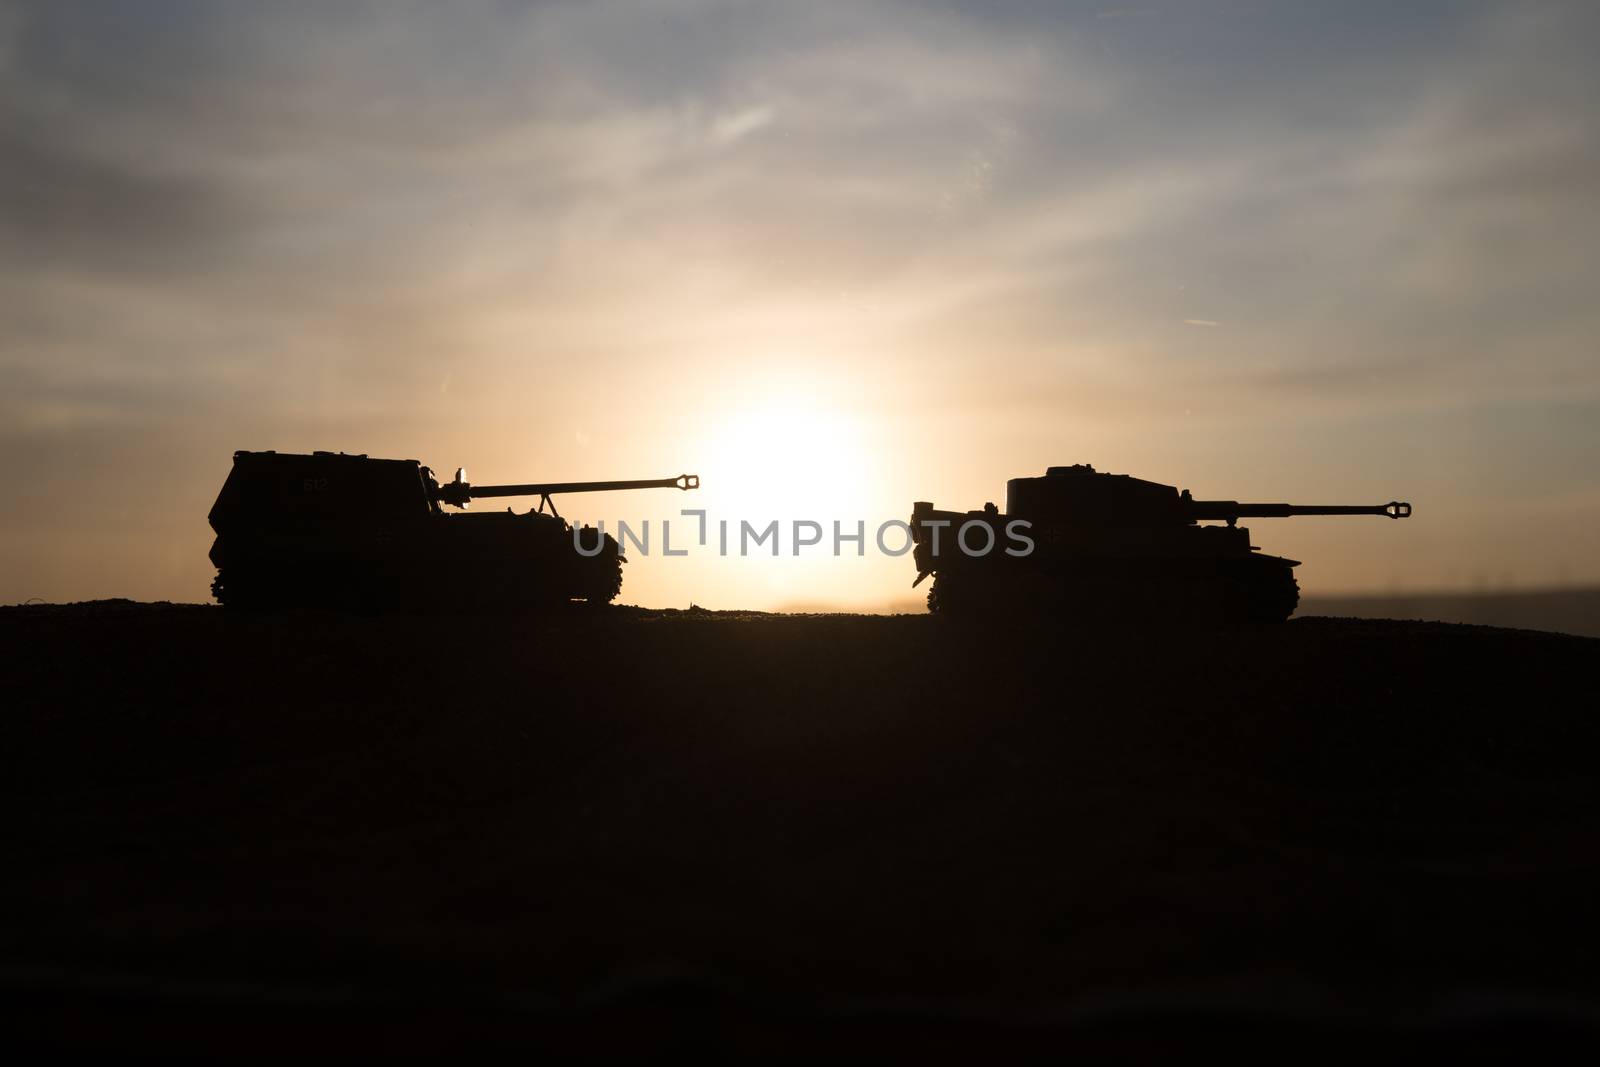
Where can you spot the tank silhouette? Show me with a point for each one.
(331, 529)
(1110, 546)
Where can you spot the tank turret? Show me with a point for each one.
(1111, 545)
(332, 529)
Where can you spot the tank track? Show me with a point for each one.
(604, 581)
(249, 590)
(1260, 589)
(1256, 589)
(220, 590)
(242, 589)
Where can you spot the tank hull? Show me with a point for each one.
(1124, 588)
(494, 560)
(351, 532)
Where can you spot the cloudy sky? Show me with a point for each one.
(832, 258)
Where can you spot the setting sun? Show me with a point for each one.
(788, 455)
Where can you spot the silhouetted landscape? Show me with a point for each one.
(1569, 611)
(606, 832)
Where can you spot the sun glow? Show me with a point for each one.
(790, 459)
(790, 454)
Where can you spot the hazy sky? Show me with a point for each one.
(832, 258)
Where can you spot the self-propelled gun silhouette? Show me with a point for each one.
(336, 530)
(1094, 545)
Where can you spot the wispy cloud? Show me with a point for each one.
(736, 125)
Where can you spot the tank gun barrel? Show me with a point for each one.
(682, 481)
(1231, 511)
(459, 491)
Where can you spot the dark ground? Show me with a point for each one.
(622, 831)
